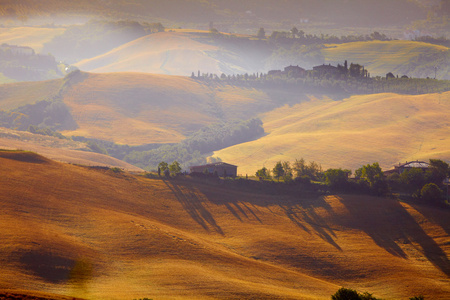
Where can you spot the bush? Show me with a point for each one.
(430, 192)
(349, 294)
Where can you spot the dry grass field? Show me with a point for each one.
(380, 57)
(384, 128)
(96, 234)
(172, 53)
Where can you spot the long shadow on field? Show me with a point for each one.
(304, 211)
(387, 222)
(193, 206)
(300, 211)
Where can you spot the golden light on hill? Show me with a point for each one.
(93, 233)
(384, 128)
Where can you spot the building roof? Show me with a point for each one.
(414, 164)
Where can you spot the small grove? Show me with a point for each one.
(369, 179)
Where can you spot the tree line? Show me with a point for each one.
(415, 182)
(352, 80)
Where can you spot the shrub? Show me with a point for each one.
(349, 294)
(430, 192)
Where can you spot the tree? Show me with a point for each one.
(278, 170)
(294, 32)
(337, 178)
(287, 176)
(430, 192)
(349, 294)
(263, 173)
(175, 168)
(438, 171)
(162, 167)
(372, 174)
(413, 179)
(345, 294)
(261, 34)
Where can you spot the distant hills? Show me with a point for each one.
(368, 13)
(139, 108)
(94, 233)
(384, 128)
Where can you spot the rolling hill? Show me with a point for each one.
(171, 53)
(33, 37)
(381, 57)
(59, 149)
(91, 233)
(139, 108)
(384, 128)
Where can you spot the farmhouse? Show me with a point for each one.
(294, 71)
(222, 169)
(408, 166)
(325, 69)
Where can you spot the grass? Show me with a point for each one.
(384, 128)
(178, 239)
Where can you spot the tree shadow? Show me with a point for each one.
(300, 211)
(387, 222)
(193, 206)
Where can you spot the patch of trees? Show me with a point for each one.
(23, 64)
(299, 37)
(97, 37)
(369, 179)
(194, 149)
(39, 117)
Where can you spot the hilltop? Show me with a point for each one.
(172, 53)
(101, 234)
(384, 128)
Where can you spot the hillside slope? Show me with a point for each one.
(89, 233)
(59, 149)
(384, 128)
(139, 108)
(381, 57)
(33, 37)
(171, 53)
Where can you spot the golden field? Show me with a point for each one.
(362, 129)
(96, 234)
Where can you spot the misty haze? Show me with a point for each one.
(223, 149)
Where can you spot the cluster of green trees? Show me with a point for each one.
(21, 66)
(97, 37)
(427, 185)
(192, 151)
(51, 115)
(196, 148)
(173, 169)
(300, 37)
